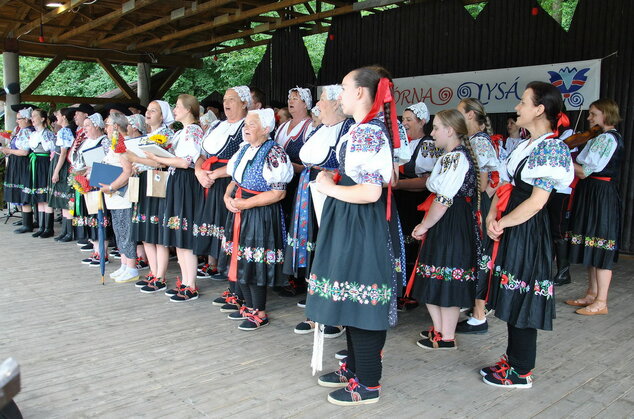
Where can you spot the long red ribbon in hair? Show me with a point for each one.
(383, 96)
(562, 121)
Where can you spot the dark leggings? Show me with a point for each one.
(522, 349)
(364, 354)
(558, 214)
(254, 296)
(235, 289)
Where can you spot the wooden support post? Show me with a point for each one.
(144, 74)
(11, 73)
(121, 84)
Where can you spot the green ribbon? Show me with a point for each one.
(33, 157)
(77, 204)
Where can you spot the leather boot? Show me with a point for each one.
(69, 231)
(49, 222)
(562, 276)
(64, 230)
(40, 217)
(27, 223)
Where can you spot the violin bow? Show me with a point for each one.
(578, 118)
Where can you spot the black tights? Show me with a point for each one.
(522, 349)
(364, 354)
(254, 296)
(235, 289)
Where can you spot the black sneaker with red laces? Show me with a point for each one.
(185, 294)
(509, 378)
(339, 378)
(354, 394)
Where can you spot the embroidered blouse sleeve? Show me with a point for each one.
(188, 146)
(368, 157)
(447, 177)
(65, 138)
(596, 155)
(277, 170)
(549, 166)
(427, 156)
(485, 153)
(22, 142)
(48, 140)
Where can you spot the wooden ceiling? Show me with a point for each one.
(162, 32)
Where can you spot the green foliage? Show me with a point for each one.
(567, 9)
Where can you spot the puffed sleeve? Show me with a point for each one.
(22, 142)
(403, 154)
(549, 166)
(277, 170)
(448, 176)
(48, 140)
(34, 140)
(368, 158)
(427, 156)
(189, 145)
(596, 155)
(485, 153)
(64, 138)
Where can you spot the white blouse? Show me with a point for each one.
(597, 153)
(448, 176)
(277, 169)
(317, 148)
(427, 156)
(549, 164)
(282, 135)
(44, 137)
(218, 134)
(485, 153)
(65, 138)
(187, 143)
(368, 158)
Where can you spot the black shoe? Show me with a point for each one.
(48, 224)
(301, 304)
(437, 343)
(143, 282)
(17, 223)
(222, 300)
(241, 314)
(253, 322)
(331, 332)
(509, 378)
(562, 277)
(67, 238)
(154, 285)
(342, 354)
(466, 328)
(42, 225)
(305, 327)
(64, 231)
(96, 263)
(405, 304)
(337, 379)
(87, 248)
(27, 223)
(354, 394)
(82, 242)
(219, 277)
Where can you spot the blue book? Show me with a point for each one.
(106, 174)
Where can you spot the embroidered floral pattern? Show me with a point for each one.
(597, 242)
(544, 183)
(366, 138)
(603, 145)
(551, 153)
(208, 230)
(429, 149)
(542, 288)
(255, 254)
(349, 291)
(483, 149)
(176, 223)
(446, 273)
(290, 241)
(449, 161)
(443, 200)
(373, 178)
(89, 222)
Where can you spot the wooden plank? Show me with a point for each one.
(201, 8)
(114, 75)
(169, 81)
(74, 99)
(138, 4)
(46, 71)
(66, 7)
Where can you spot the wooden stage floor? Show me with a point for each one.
(88, 350)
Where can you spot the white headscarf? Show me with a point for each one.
(168, 116)
(245, 94)
(25, 113)
(304, 95)
(208, 118)
(97, 120)
(267, 118)
(420, 110)
(138, 122)
(333, 91)
(315, 111)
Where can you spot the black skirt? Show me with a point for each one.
(183, 192)
(147, 215)
(482, 284)
(353, 277)
(60, 192)
(260, 246)
(596, 221)
(447, 264)
(91, 222)
(39, 188)
(210, 218)
(521, 291)
(17, 180)
(407, 203)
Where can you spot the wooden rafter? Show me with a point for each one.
(66, 7)
(118, 80)
(169, 81)
(74, 99)
(46, 71)
(104, 19)
(224, 20)
(201, 8)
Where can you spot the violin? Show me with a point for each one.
(581, 138)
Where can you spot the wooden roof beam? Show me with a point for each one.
(176, 14)
(224, 20)
(122, 11)
(116, 77)
(266, 27)
(66, 7)
(75, 99)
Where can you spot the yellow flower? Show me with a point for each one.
(158, 139)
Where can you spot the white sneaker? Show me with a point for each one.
(117, 273)
(127, 276)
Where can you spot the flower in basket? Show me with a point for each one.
(118, 142)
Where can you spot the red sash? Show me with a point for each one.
(233, 269)
(504, 194)
(425, 206)
(207, 166)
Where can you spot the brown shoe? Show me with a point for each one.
(582, 302)
(585, 311)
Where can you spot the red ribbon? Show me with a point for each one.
(207, 166)
(504, 194)
(425, 206)
(383, 96)
(573, 186)
(562, 121)
(233, 269)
